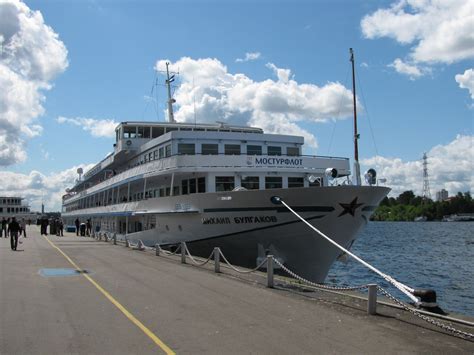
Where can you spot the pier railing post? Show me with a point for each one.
(183, 252)
(157, 249)
(217, 259)
(115, 238)
(372, 299)
(270, 271)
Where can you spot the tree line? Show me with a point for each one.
(407, 207)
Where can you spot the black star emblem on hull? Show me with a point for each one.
(350, 207)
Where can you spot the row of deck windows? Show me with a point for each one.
(14, 209)
(213, 149)
(195, 185)
(11, 201)
(234, 149)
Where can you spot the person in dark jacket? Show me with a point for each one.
(4, 227)
(77, 223)
(14, 229)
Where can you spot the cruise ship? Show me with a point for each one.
(211, 185)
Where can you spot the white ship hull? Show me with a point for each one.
(246, 225)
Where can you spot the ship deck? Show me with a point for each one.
(130, 302)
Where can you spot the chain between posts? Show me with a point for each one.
(454, 331)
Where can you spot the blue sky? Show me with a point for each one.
(282, 65)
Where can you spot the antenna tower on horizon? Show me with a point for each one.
(426, 182)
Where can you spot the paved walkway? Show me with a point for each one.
(132, 302)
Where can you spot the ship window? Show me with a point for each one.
(186, 148)
(155, 154)
(293, 151)
(273, 150)
(250, 182)
(146, 132)
(175, 190)
(157, 131)
(254, 149)
(224, 183)
(192, 186)
(232, 149)
(129, 132)
(150, 156)
(295, 182)
(161, 152)
(273, 182)
(1, 209)
(201, 184)
(184, 187)
(168, 190)
(168, 150)
(162, 192)
(208, 149)
(140, 132)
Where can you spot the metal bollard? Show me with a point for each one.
(115, 238)
(270, 271)
(372, 300)
(183, 252)
(217, 260)
(127, 243)
(157, 249)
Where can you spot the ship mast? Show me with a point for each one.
(356, 176)
(169, 80)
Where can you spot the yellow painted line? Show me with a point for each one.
(117, 304)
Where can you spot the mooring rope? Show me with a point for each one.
(403, 288)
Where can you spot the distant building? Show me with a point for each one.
(14, 207)
(442, 195)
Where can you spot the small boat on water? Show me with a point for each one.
(420, 219)
(211, 185)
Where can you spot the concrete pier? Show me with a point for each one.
(129, 302)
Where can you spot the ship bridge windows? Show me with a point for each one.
(129, 132)
(191, 186)
(143, 132)
(157, 131)
(250, 182)
(168, 150)
(186, 148)
(225, 183)
(273, 182)
(254, 149)
(274, 150)
(232, 149)
(209, 149)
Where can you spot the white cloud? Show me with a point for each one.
(97, 128)
(450, 167)
(31, 56)
(249, 57)
(36, 187)
(209, 92)
(441, 31)
(413, 71)
(466, 81)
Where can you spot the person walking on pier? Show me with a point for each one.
(14, 229)
(4, 228)
(60, 228)
(23, 227)
(88, 228)
(77, 223)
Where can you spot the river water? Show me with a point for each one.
(434, 255)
